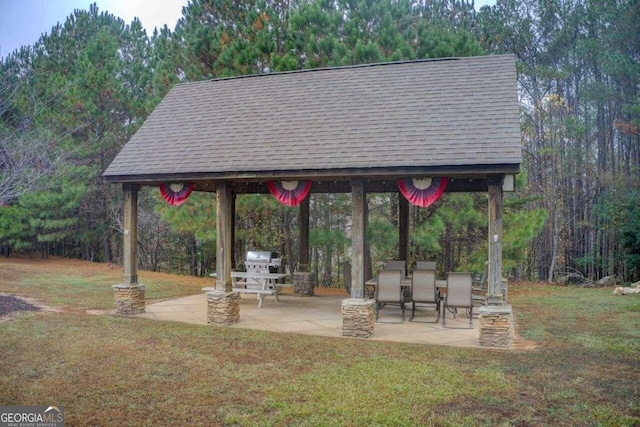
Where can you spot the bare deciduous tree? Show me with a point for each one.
(25, 161)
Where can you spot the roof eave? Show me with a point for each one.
(459, 171)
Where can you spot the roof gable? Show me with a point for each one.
(435, 114)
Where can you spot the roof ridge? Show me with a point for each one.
(341, 67)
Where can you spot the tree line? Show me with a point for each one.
(72, 100)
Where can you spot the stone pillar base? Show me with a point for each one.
(303, 284)
(496, 326)
(358, 317)
(223, 308)
(129, 299)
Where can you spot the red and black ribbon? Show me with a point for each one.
(289, 193)
(422, 191)
(175, 194)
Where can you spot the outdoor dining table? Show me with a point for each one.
(405, 283)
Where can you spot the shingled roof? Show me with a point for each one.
(452, 116)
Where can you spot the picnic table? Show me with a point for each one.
(259, 283)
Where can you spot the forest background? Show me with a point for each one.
(71, 101)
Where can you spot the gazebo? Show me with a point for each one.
(355, 129)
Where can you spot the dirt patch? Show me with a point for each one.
(520, 343)
(102, 312)
(320, 290)
(11, 305)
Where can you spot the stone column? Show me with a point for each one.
(223, 308)
(303, 284)
(129, 295)
(358, 317)
(129, 299)
(496, 326)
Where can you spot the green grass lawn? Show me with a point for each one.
(583, 370)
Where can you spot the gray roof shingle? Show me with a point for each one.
(443, 114)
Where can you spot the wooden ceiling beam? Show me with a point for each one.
(455, 185)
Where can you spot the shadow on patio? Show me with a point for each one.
(321, 315)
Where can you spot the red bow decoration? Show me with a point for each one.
(175, 194)
(422, 191)
(289, 193)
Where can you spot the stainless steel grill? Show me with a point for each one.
(262, 262)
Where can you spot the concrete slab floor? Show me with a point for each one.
(322, 316)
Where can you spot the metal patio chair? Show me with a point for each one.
(389, 290)
(397, 265)
(458, 295)
(424, 291)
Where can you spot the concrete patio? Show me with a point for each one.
(322, 316)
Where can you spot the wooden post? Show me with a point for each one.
(358, 313)
(303, 251)
(358, 224)
(129, 295)
(494, 278)
(403, 225)
(233, 231)
(224, 224)
(368, 269)
(130, 253)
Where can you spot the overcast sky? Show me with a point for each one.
(22, 22)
